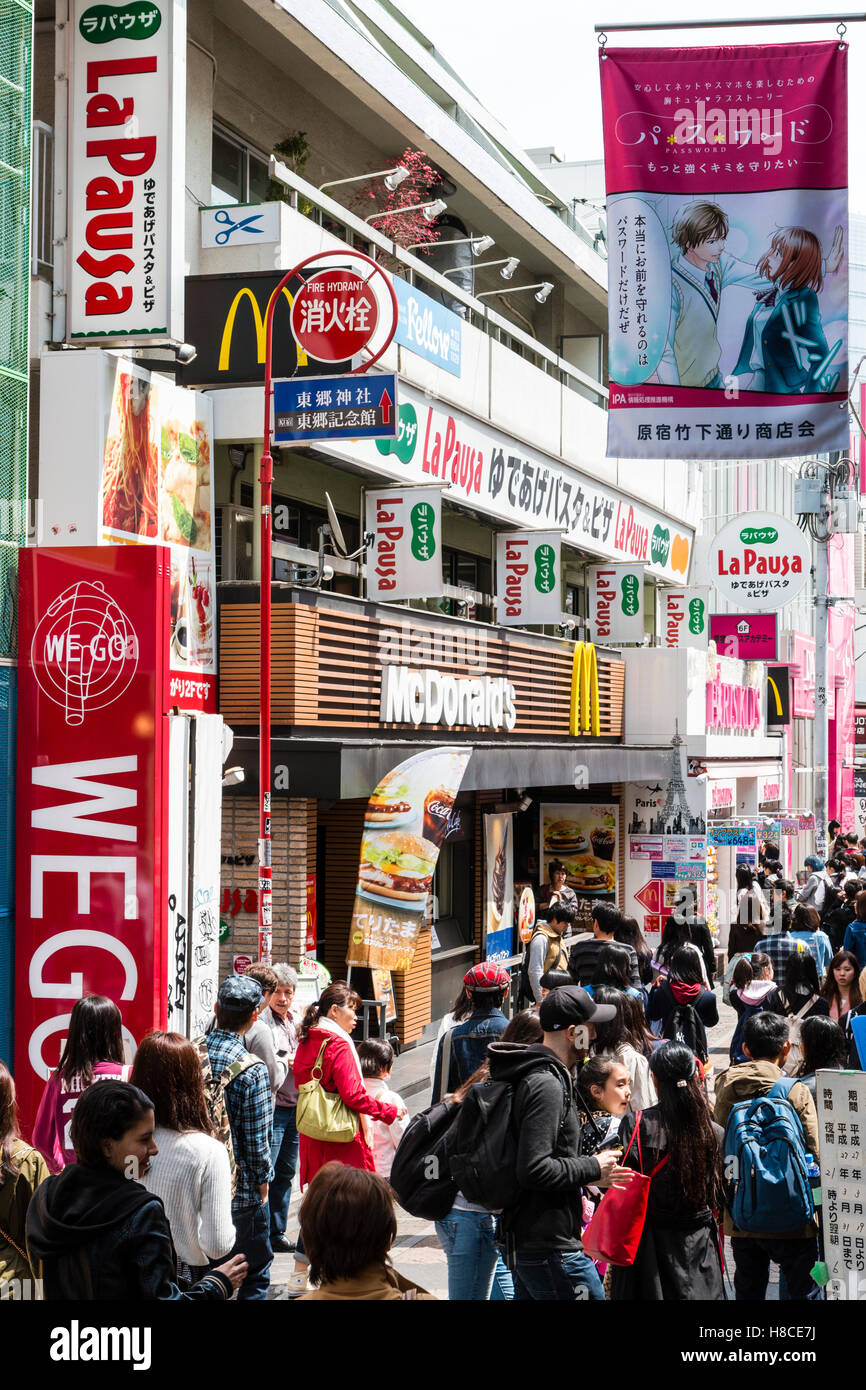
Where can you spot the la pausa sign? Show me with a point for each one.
(766, 561)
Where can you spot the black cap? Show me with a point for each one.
(570, 1004)
(239, 994)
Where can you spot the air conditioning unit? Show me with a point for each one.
(236, 543)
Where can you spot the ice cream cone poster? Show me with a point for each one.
(405, 825)
(499, 885)
(584, 837)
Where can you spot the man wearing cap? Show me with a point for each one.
(250, 1109)
(464, 1047)
(542, 1230)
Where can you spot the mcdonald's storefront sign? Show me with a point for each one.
(225, 319)
(585, 714)
(778, 697)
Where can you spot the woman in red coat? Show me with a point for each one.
(331, 1020)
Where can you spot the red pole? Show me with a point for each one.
(266, 478)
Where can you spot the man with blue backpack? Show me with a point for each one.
(771, 1133)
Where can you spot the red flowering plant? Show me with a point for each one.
(405, 228)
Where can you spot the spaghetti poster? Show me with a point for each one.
(727, 215)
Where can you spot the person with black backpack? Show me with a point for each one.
(684, 1005)
(536, 1152)
(545, 952)
(771, 1124)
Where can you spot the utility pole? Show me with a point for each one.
(822, 627)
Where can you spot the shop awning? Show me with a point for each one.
(338, 771)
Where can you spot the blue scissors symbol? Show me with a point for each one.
(222, 216)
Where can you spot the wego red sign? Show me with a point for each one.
(334, 316)
(92, 744)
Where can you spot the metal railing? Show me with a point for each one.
(42, 205)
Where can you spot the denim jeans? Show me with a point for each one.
(253, 1241)
(475, 1270)
(564, 1276)
(284, 1156)
(795, 1257)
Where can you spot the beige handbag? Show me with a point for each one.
(324, 1114)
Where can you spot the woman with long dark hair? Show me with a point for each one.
(684, 927)
(841, 988)
(628, 933)
(613, 968)
(752, 906)
(22, 1169)
(825, 1048)
(617, 1039)
(93, 1052)
(673, 1001)
(678, 1256)
(191, 1174)
(800, 992)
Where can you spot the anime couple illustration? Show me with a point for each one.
(784, 349)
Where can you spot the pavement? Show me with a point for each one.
(417, 1253)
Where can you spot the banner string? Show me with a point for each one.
(602, 40)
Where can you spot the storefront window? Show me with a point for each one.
(239, 174)
(443, 881)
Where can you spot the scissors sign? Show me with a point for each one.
(222, 216)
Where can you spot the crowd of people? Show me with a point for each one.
(169, 1177)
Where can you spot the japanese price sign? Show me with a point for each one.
(727, 210)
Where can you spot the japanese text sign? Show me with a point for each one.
(684, 615)
(351, 407)
(749, 637)
(616, 603)
(527, 578)
(405, 559)
(760, 560)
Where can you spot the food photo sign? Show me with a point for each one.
(499, 886)
(405, 826)
(584, 837)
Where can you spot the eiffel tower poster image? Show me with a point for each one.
(675, 816)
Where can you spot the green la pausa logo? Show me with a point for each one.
(630, 589)
(697, 618)
(423, 517)
(137, 20)
(403, 445)
(763, 535)
(545, 569)
(660, 545)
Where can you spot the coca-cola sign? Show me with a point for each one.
(127, 113)
(759, 561)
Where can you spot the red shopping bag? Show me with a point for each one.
(614, 1233)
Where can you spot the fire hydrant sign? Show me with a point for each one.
(405, 559)
(527, 578)
(335, 407)
(616, 603)
(334, 316)
(127, 117)
(759, 561)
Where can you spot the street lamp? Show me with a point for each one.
(431, 210)
(543, 289)
(509, 265)
(479, 244)
(393, 178)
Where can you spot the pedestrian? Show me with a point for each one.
(743, 938)
(806, 927)
(799, 995)
(751, 983)
(377, 1059)
(583, 957)
(615, 1038)
(855, 933)
(349, 1225)
(628, 933)
(260, 1039)
(192, 1174)
(551, 979)
(818, 884)
(325, 1043)
(542, 1230)
(250, 1106)
(678, 1257)
(545, 950)
(460, 1011)
(780, 944)
(464, 1047)
(837, 921)
(683, 1004)
(765, 1043)
(557, 891)
(841, 988)
(752, 907)
(825, 1048)
(613, 967)
(22, 1169)
(94, 1233)
(856, 1055)
(93, 1051)
(280, 1017)
(683, 928)
(603, 1096)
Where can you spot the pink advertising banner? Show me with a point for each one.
(842, 623)
(748, 636)
(727, 213)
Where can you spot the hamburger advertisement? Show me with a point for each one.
(583, 836)
(405, 825)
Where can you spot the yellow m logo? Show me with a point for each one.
(259, 323)
(585, 715)
(779, 706)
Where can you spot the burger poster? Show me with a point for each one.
(405, 825)
(499, 886)
(583, 836)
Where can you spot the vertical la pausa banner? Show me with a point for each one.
(527, 578)
(127, 121)
(405, 559)
(616, 602)
(499, 885)
(684, 617)
(727, 205)
(405, 825)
